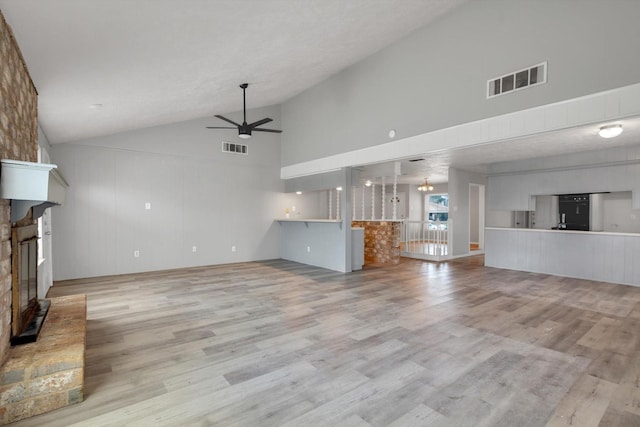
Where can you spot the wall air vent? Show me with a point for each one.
(232, 147)
(517, 80)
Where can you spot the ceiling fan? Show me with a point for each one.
(244, 129)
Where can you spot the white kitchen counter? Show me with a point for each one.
(603, 256)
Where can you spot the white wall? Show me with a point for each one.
(517, 191)
(619, 216)
(199, 197)
(495, 218)
(45, 256)
(436, 77)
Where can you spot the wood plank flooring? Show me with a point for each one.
(418, 344)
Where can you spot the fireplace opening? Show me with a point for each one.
(28, 312)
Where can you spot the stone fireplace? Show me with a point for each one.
(28, 312)
(18, 140)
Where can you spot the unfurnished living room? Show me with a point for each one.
(320, 213)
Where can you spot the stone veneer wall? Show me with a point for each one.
(18, 141)
(381, 241)
(47, 374)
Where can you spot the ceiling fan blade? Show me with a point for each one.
(260, 122)
(227, 120)
(219, 127)
(266, 130)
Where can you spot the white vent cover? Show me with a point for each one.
(232, 147)
(517, 80)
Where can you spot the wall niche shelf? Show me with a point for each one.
(309, 220)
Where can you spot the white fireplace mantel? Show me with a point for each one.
(31, 185)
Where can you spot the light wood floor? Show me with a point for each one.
(280, 343)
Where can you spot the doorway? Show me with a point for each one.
(476, 218)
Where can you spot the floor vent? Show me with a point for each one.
(517, 80)
(231, 147)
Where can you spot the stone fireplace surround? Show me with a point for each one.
(19, 141)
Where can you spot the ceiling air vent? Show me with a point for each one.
(517, 80)
(232, 147)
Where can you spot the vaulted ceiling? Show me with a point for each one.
(105, 66)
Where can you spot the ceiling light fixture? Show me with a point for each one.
(339, 188)
(426, 186)
(610, 131)
(392, 133)
(298, 192)
(368, 183)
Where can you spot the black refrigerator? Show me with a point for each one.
(574, 211)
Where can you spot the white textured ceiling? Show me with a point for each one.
(151, 62)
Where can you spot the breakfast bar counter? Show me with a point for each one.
(594, 255)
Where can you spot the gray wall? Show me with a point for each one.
(325, 240)
(309, 204)
(199, 197)
(459, 181)
(329, 243)
(474, 214)
(437, 76)
(593, 256)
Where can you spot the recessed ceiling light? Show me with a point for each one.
(298, 192)
(339, 188)
(610, 131)
(368, 183)
(95, 106)
(392, 133)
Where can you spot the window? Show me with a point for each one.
(437, 210)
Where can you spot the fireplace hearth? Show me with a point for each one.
(28, 312)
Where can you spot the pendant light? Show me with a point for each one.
(426, 186)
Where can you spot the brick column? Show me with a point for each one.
(18, 141)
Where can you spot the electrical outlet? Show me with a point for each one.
(147, 206)
(233, 248)
(194, 249)
(308, 248)
(136, 254)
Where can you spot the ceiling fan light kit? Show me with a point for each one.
(244, 129)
